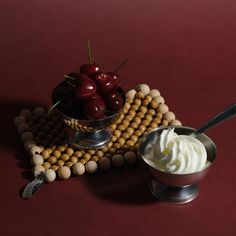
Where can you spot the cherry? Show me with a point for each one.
(116, 79)
(114, 101)
(104, 82)
(85, 87)
(95, 108)
(89, 69)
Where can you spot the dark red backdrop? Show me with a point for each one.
(186, 49)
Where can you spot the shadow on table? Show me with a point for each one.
(127, 185)
(9, 138)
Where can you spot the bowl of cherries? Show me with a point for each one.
(88, 101)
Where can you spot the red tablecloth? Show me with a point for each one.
(186, 49)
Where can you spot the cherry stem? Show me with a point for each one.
(123, 63)
(53, 106)
(69, 77)
(89, 52)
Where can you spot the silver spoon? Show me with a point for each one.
(226, 114)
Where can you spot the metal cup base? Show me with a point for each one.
(174, 195)
(88, 140)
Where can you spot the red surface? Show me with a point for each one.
(185, 48)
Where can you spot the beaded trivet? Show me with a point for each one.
(44, 139)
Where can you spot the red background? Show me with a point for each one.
(186, 49)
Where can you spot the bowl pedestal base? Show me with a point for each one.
(174, 195)
(88, 140)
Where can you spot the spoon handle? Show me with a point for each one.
(226, 114)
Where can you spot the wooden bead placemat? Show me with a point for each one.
(44, 139)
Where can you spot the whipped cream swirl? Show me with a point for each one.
(178, 154)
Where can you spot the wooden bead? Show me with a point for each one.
(125, 123)
(175, 122)
(37, 159)
(54, 167)
(35, 150)
(104, 149)
(112, 150)
(157, 120)
(134, 107)
(117, 160)
(137, 101)
(99, 153)
(125, 135)
(91, 151)
(69, 151)
(45, 154)
(64, 172)
(116, 146)
(60, 163)
(121, 127)
(56, 153)
(159, 99)
(139, 94)
(137, 120)
(38, 169)
(128, 118)
(154, 104)
(134, 125)
(91, 167)
(130, 142)
(113, 139)
(134, 138)
(143, 109)
(148, 97)
(153, 125)
(130, 157)
(69, 164)
(142, 128)
(78, 154)
(145, 122)
(50, 175)
(164, 122)
(95, 158)
(29, 144)
(130, 94)
(144, 88)
(19, 120)
(148, 117)
(23, 127)
(104, 163)
(26, 114)
(117, 133)
(140, 115)
(83, 161)
(113, 127)
(145, 102)
(132, 113)
(86, 156)
(130, 130)
(39, 111)
(78, 168)
(163, 108)
(151, 112)
(52, 160)
(64, 157)
(74, 159)
(169, 116)
(46, 165)
(138, 132)
(121, 141)
(154, 93)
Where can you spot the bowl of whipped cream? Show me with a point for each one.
(177, 161)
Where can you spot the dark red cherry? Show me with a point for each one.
(116, 79)
(85, 87)
(89, 69)
(104, 82)
(114, 101)
(95, 108)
